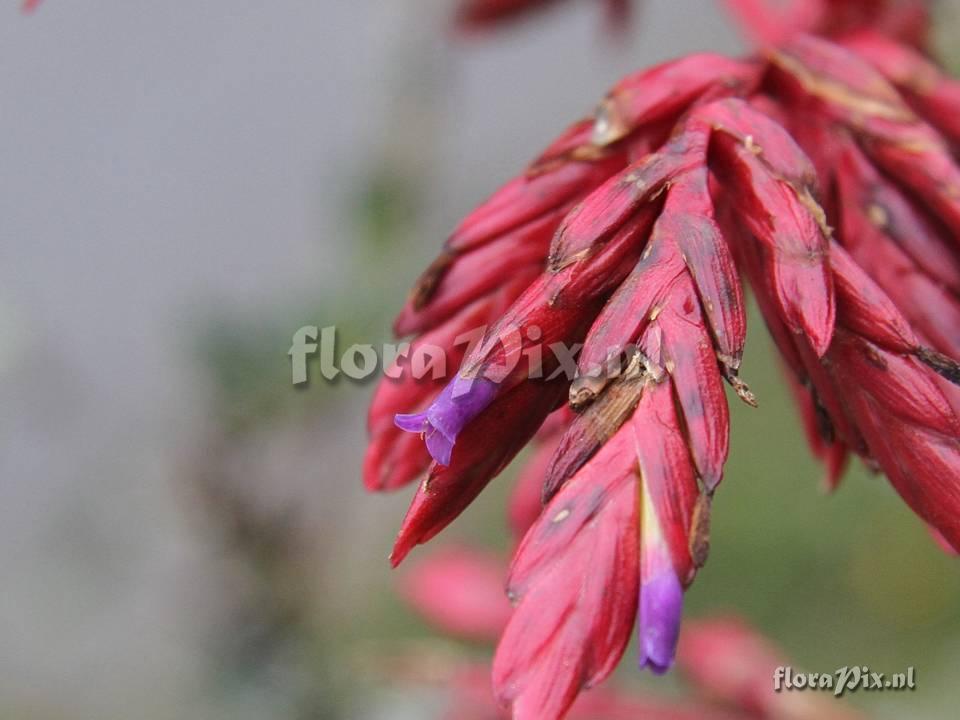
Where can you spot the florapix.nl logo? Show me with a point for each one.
(315, 349)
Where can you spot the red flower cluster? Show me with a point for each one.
(824, 172)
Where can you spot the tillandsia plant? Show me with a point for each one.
(822, 170)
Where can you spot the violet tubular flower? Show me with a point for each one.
(459, 403)
(661, 607)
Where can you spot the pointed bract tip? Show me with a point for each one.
(400, 551)
(742, 390)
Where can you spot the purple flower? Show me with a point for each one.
(459, 403)
(661, 604)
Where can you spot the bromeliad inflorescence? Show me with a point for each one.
(824, 172)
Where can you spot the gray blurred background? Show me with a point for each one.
(182, 186)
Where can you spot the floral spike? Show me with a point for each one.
(623, 319)
(834, 421)
(526, 211)
(459, 591)
(393, 459)
(558, 305)
(815, 171)
(402, 388)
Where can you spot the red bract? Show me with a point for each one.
(925, 87)
(818, 172)
(770, 181)
(481, 14)
(575, 612)
(663, 92)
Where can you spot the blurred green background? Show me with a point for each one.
(186, 535)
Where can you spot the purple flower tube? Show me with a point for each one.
(459, 403)
(661, 605)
